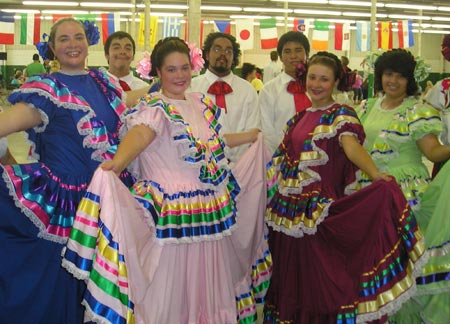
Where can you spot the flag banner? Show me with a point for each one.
(320, 35)
(30, 29)
(385, 35)
(110, 24)
(6, 28)
(268, 32)
(57, 17)
(362, 36)
(405, 34)
(171, 27)
(223, 26)
(301, 25)
(341, 37)
(245, 33)
(84, 17)
(153, 30)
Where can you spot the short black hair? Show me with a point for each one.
(400, 61)
(35, 57)
(293, 36)
(207, 44)
(273, 55)
(247, 68)
(119, 35)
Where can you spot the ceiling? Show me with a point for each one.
(435, 16)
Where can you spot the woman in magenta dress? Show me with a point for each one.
(337, 257)
(72, 120)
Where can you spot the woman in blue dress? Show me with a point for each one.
(72, 119)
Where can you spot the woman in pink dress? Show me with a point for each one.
(337, 257)
(187, 245)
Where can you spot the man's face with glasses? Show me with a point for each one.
(220, 57)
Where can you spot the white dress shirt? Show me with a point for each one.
(242, 110)
(134, 82)
(276, 106)
(271, 71)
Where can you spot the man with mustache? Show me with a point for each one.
(119, 52)
(235, 95)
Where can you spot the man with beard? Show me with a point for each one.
(283, 96)
(234, 95)
(119, 52)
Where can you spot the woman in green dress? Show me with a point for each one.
(401, 131)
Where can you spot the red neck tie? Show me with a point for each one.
(220, 89)
(124, 85)
(301, 100)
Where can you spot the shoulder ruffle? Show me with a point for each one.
(294, 209)
(154, 112)
(48, 94)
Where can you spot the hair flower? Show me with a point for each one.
(92, 33)
(144, 66)
(42, 47)
(197, 60)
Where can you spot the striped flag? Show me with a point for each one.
(268, 32)
(341, 37)
(245, 33)
(301, 25)
(30, 29)
(6, 28)
(320, 35)
(362, 36)
(385, 35)
(110, 24)
(223, 26)
(171, 27)
(405, 34)
(56, 17)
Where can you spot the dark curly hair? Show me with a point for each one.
(400, 61)
(207, 44)
(333, 62)
(165, 47)
(293, 36)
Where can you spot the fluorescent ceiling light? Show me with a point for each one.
(166, 14)
(410, 17)
(50, 3)
(318, 12)
(220, 8)
(160, 6)
(432, 31)
(303, 1)
(279, 10)
(409, 6)
(62, 12)
(106, 4)
(362, 14)
(249, 17)
(354, 3)
(441, 18)
(443, 9)
(21, 11)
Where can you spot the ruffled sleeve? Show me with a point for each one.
(423, 120)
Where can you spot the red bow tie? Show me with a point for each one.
(301, 100)
(124, 85)
(220, 89)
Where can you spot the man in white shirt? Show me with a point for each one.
(221, 53)
(276, 104)
(272, 69)
(119, 52)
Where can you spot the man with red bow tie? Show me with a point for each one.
(285, 95)
(119, 52)
(234, 95)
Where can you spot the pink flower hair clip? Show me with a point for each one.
(144, 66)
(197, 60)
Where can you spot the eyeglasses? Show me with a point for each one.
(218, 49)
